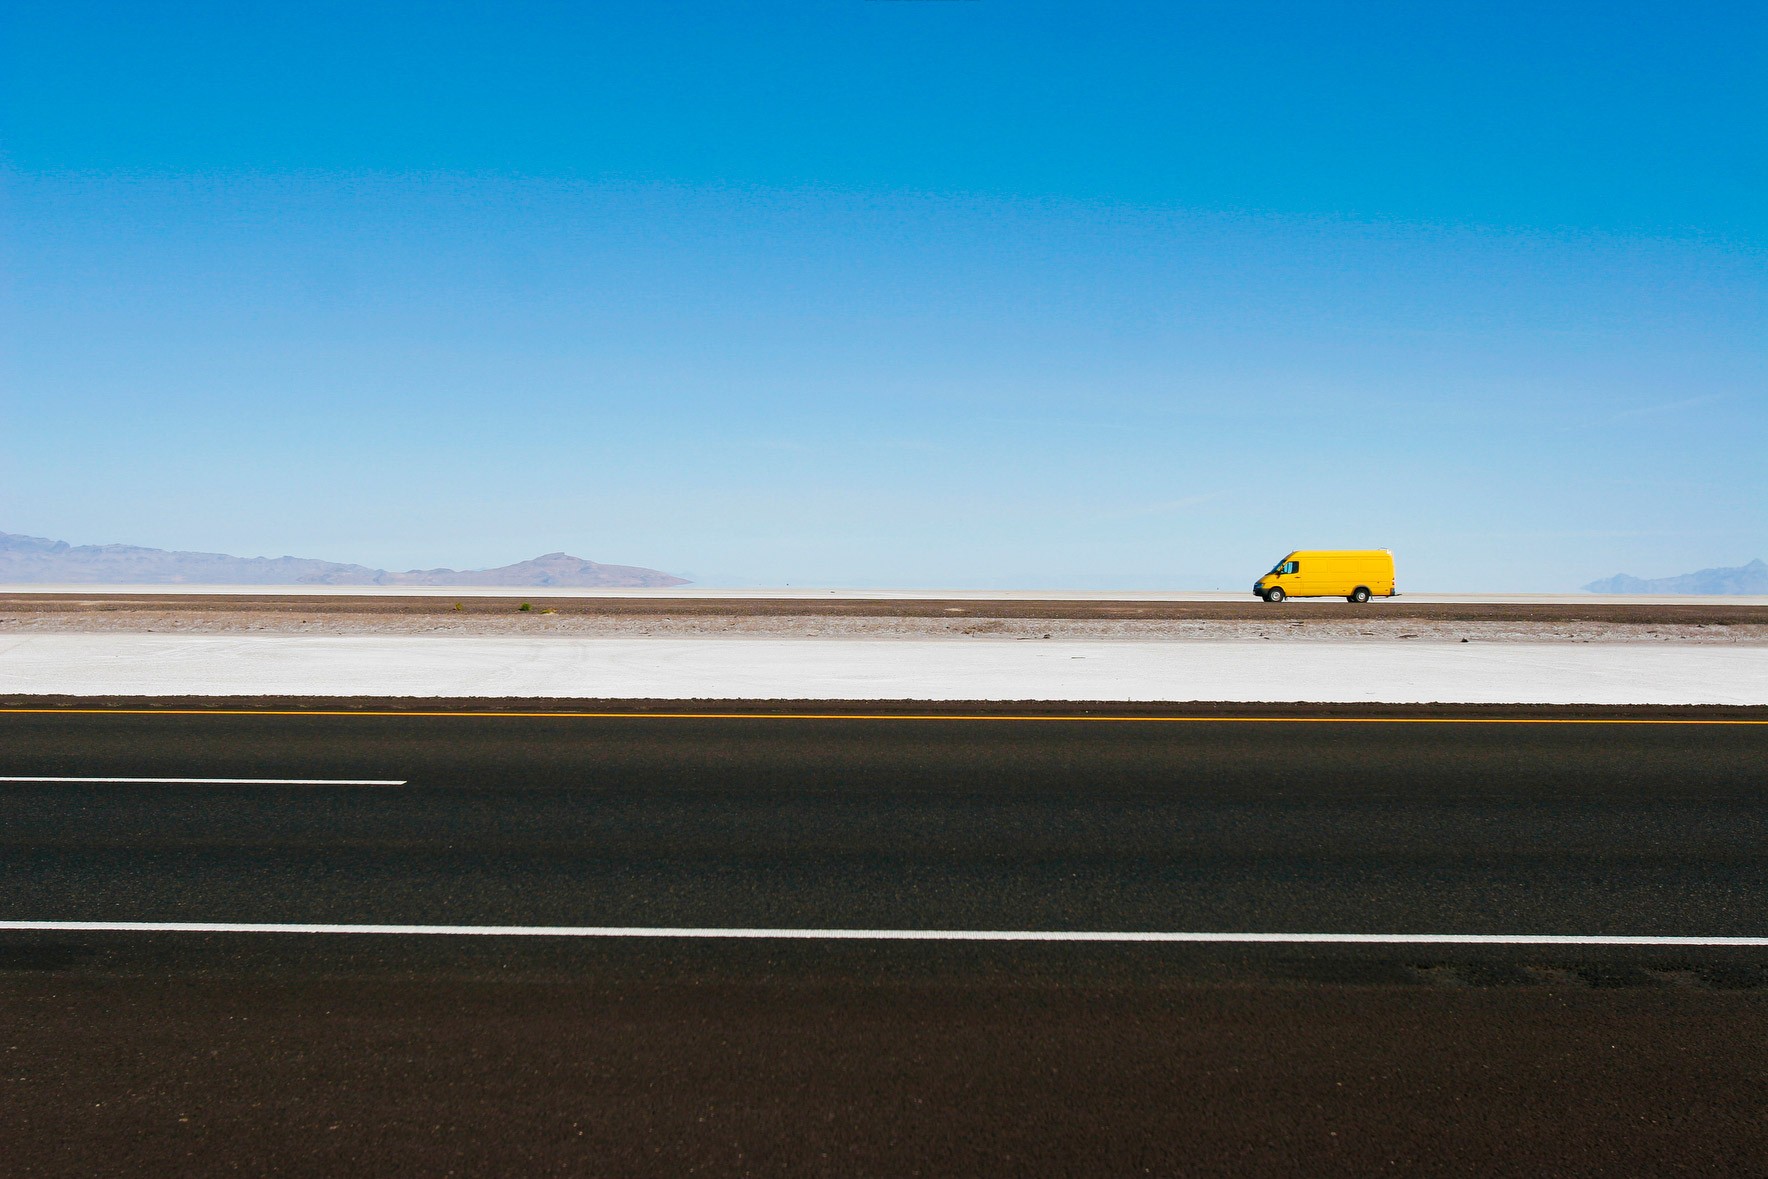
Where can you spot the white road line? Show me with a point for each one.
(895, 935)
(219, 781)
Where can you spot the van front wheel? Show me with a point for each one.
(1360, 594)
(1274, 595)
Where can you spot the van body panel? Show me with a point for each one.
(1331, 573)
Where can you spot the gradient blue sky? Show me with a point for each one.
(861, 292)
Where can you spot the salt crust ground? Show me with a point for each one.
(845, 669)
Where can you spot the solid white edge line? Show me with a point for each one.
(217, 781)
(960, 935)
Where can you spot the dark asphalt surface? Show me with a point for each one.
(291, 1054)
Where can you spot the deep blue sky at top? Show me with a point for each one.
(892, 292)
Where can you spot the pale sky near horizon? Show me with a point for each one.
(870, 293)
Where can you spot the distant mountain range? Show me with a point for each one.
(1744, 579)
(35, 559)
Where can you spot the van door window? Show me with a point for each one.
(1292, 567)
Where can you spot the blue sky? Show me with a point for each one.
(862, 292)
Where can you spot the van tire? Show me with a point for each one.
(1359, 595)
(1274, 595)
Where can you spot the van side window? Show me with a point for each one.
(1292, 567)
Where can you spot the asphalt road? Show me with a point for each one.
(318, 1053)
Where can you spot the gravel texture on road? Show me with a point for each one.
(781, 1074)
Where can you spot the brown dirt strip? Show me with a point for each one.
(27, 605)
(956, 620)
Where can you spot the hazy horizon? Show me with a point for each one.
(1751, 567)
(953, 295)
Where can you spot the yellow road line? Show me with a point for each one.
(902, 716)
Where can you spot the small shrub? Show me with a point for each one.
(526, 606)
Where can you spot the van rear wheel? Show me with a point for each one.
(1274, 595)
(1360, 594)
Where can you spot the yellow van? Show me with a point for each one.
(1353, 574)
